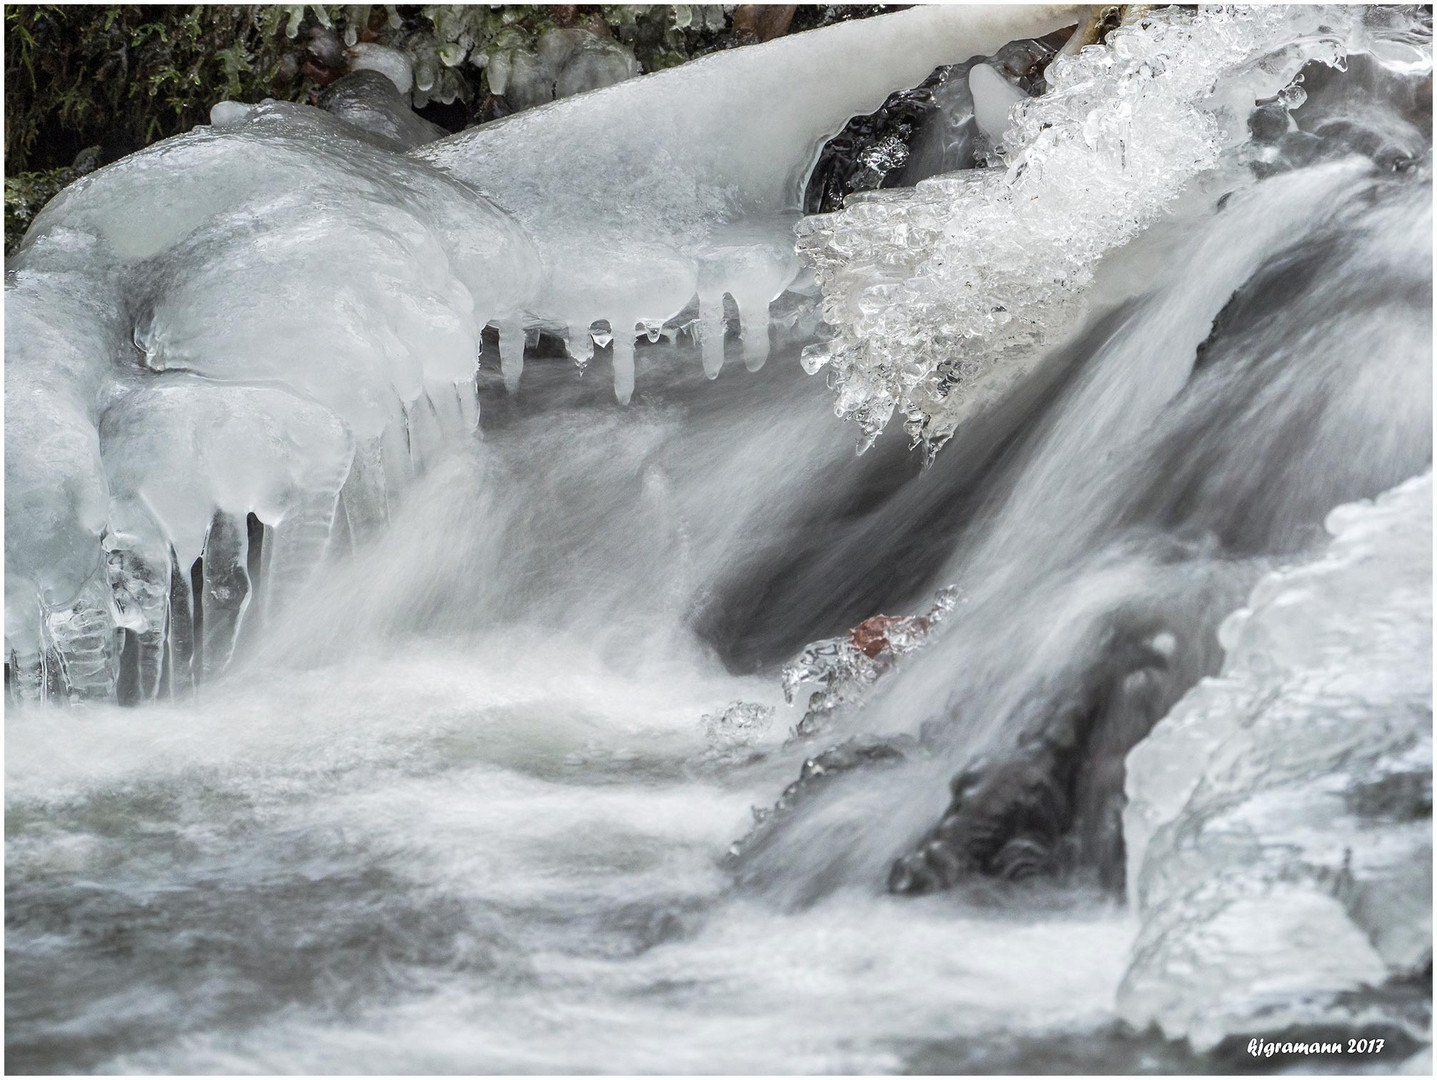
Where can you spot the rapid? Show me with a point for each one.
(465, 800)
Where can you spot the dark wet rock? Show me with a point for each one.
(920, 132)
(324, 56)
(370, 101)
(1396, 797)
(870, 148)
(1054, 798)
(762, 22)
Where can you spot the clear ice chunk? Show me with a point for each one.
(738, 725)
(1279, 828)
(845, 667)
(944, 294)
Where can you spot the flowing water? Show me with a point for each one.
(457, 808)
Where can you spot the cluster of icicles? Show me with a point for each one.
(228, 355)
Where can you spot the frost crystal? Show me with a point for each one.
(947, 291)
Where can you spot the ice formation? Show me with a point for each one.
(368, 100)
(736, 728)
(845, 667)
(270, 316)
(688, 181)
(942, 292)
(226, 354)
(568, 61)
(1279, 829)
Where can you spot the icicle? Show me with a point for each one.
(426, 435)
(138, 571)
(258, 559)
(581, 345)
(366, 496)
(623, 367)
(754, 327)
(84, 635)
(33, 668)
(181, 650)
(711, 333)
(301, 538)
(28, 678)
(226, 589)
(466, 405)
(511, 354)
(394, 453)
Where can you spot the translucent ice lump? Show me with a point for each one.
(1279, 830)
(267, 316)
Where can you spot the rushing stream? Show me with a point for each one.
(447, 784)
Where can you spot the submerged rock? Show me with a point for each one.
(1280, 820)
(1056, 795)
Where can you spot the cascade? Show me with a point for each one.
(438, 708)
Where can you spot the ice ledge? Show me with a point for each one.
(1279, 822)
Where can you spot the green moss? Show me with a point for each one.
(26, 193)
(125, 76)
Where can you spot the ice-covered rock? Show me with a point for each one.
(1279, 829)
(689, 180)
(368, 100)
(846, 667)
(271, 315)
(947, 292)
